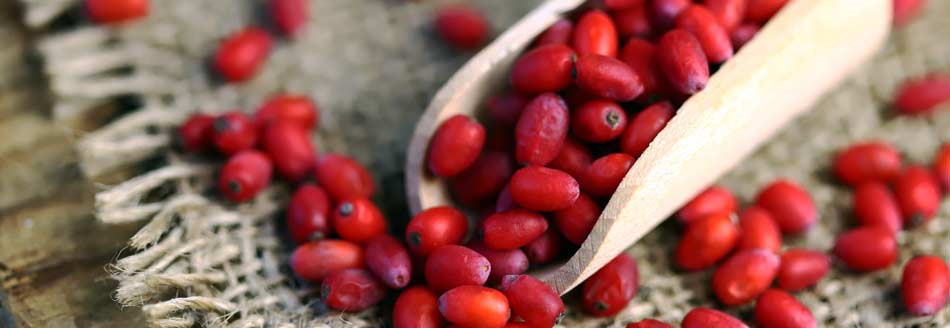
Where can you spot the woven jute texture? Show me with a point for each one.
(372, 66)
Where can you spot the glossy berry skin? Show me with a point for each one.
(574, 159)
(483, 180)
(640, 55)
(925, 285)
(389, 260)
(867, 162)
(417, 307)
(649, 323)
(116, 11)
(595, 33)
(299, 109)
(709, 318)
(633, 22)
(290, 16)
(607, 77)
(503, 263)
(760, 11)
(234, 132)
(906, 10)
(745, 275)
(683, 61)
(605, 174)
(451, 266)
(244, 175)
(455, 146)
(705, 242)
(541, 130)
(729, 13)
(435, 227)
(918, 195)
(743, 34)
(779, 309)
(598, 121)
(644, 127)
(289, 146)
(542, 189)
(576, 221)
(558, 33)
(343, 177)
(308, 214)
(462, 27)
(532, 300)
(790, 206)
(609, 290)
(242, 54)
(315, 260)
(545, 248)
(622, 4)
(715, 200)
(802, 268)
(866, 249)
(663, 13)
(475, 306)
(512, 229)
(358, 220)
(351, 290)
(505, 109)
(941, 166)
(196, 133)
(713, 38)
(543, 69)
(875, 204)
(757, 230)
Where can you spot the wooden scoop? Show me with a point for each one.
(801, 53)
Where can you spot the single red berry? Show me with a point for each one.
(505, 202)
(462, 27)
(315, 260)
(925, 285)
(609, 290)
(633, 22)
(622, 4)
(683, 61)
(790, 206)
(875, 204)
(867, 162)
(533, 300)
(196, 133)
(713, 38)
(743, 34)
(417, 307)
(598, 121)
(644, 127)
(545, 248)
(435, 227)
(289, 16)
(729, 13)
(451, 266)
(298, 109)
(595, 33)
(541, 130)
(576, 222)
(455, 145)
(709, 318)
(483, 180)
(289, 146)
(776, 308)
(512, 229)
(234, 132)
(546, 68)
(605, 174)
(607, 77)
(663, 13)
(920, 95)
(640, 55)
(558, 33)
(760, 11)
(942, 166)
(649, 323)
(802, 268)
(573, 159)
(241, 55)
(542, 189)
(474, 306)
(503, 263)
(705, 242)
(918, 195)
(505, 109)
(715, 200)
(389, 260)
(351, 290)
(244, 175)
(865, 249)
(906, 10)
(116, 11)
(757, 230)
(358, 220)
(308, 214)
(343, 177)
(744, 276)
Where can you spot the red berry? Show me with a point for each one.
(196, 133)
(542, 189)
(874, 204)
(308, 214)
(315, 260)
(298, 109)
(351, 290)
(632, 22)
(598, 121)
(533, 300)
(546, 68)
(461, 26)
(744, 276)
(389, 260)
(918, 195)
(506, 108)
(455, 145)
(512, 229)
(244, 175)
(358, 220)
(683, 61)
(664, 12)
(435, 227)
(575, 96)
(417, 307)
(906, 10)
(545, 248)
(576, 222)
(867, 162)
(640, 55)
(790, 206)
(234, 132)
(605, 174)
(116, 11)
(451, 266)
(925, 285)
(709, 318)
(757, 230)
(610, 289)
(622, 4)
(241, 55)
(607, 77)
(649, 323)
(474, 306)
(866, 249)
(595, 33)
(558, 33)
(574, 159)
(503, 263)
(729, 13)
(743, 34)
(289, 146)
(778, 309)
(760, 11)
(942, 166)
(483, 180)
(505, 202)
(289, 16)
(705, 242)
(715, 200)
(644, 127)
(343, 177)
(713, 38)
(541, 130)
(802, 268)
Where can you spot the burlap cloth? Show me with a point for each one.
(372, 65)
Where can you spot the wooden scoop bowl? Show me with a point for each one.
(802, 52)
